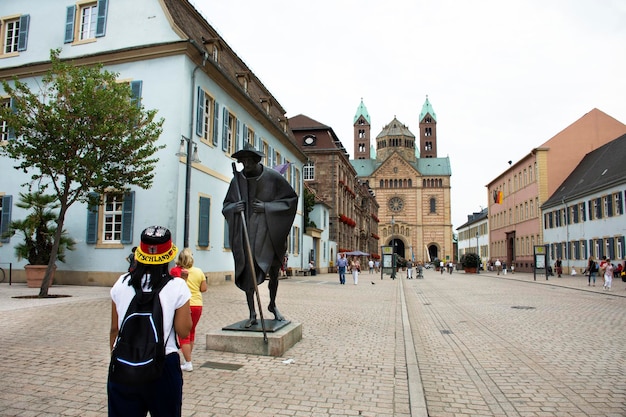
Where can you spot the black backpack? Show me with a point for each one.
(139, 353)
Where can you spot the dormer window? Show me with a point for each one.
(213, 47)
(244, 79)
(267, 104)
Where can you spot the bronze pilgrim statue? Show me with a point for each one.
(260, 205)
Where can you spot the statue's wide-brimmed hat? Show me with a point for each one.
(248, 151)
(156, 246)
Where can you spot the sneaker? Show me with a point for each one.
(187, 366)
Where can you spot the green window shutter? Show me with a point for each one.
(70, 16)
(22, 37)
(204, 221)
(225, 129)
(5, 220)
(92, 220)
(238, 137)
(135, 89)
(226, 238)
(128, 209)
(200, 113)
(216, 122)
(101, 23)
(11, 132)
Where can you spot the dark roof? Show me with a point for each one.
(599, 169)
(302, 122)
(475, 217)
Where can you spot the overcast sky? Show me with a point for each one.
(503, 77)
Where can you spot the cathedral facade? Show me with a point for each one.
(411, 185)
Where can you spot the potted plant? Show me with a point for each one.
(38, 229)
(470, 262)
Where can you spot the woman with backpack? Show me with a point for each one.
(591, 271)
(149, 309)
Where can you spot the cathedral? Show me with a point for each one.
(411, 184)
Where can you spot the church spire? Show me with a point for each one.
(362, 127)
(428, 131)
(362, 111)
(427, 108)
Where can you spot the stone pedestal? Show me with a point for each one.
(237, 340)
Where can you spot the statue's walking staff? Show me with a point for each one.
(248, 250)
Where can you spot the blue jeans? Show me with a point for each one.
(592, 275)
(162, 398)
(342, 274)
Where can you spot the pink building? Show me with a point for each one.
(515, 221)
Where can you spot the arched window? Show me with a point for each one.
(382, 183)
(433, 205)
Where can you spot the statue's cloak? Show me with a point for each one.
(267, 231)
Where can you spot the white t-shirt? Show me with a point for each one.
(173, 296)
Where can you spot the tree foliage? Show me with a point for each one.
(309, 204)
(81, 131)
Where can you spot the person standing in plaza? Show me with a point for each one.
(498, 265)
(370, 264)
(163, 396)
(591, 271)
(608, 274)
(409, 270)
(196, 281)
(558, 266)
(442, 267)
(355, 267)
(342, 264)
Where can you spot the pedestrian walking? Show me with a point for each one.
(442, 267)
(370, 264)
(498, 266)
(196, 281)
(409, 270)
(591, 271)
(342, 265)
(558, 266)
(355, 267)
(608, 274)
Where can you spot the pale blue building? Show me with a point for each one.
(211, 101)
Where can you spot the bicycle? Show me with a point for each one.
(3, 273)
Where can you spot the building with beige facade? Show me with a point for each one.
(353, 210)
(516, 195)
(411, 184)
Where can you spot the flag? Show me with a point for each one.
(498, 196)
(282, 168)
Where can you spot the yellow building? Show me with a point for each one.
(411, 184)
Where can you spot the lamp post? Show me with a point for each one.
(393, 250)
(185, 151)
(480, 260)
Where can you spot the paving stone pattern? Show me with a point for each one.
(446, 345)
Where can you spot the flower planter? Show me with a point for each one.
(470, 270)
(35, 274)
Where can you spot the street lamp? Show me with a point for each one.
(393, 249)
(184, 151)
(480, 260)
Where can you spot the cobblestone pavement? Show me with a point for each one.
(446, 345)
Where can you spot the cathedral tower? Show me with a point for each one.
(362, 127)
(428, 131)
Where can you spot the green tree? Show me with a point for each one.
(80, 131)
(309, 204)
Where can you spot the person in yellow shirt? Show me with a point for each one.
(196, 281)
